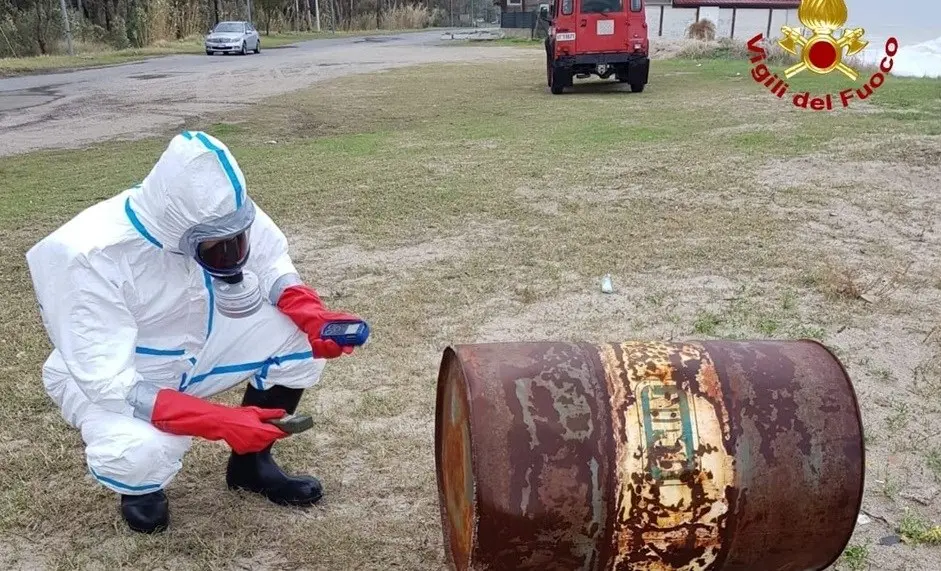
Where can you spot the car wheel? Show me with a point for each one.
(637, 87)
(258, 47)
(244, 49)
(558, 80)
(210, 53)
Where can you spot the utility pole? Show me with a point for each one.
(317, 13)
(249, 3)
(68, 30)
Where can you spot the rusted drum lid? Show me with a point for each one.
(453, 460)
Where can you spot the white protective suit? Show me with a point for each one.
(129, 311)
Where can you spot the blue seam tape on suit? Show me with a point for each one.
(226, 166)
(212, 301)
(137, 224)
(223, 160)
(117, 484)
(244, 367)
(159, 352)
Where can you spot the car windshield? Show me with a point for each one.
(601, 6)
(229, 27)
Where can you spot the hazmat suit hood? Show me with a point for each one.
(195, 192)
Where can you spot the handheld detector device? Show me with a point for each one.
(347, 333)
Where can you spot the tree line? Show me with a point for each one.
(36, 27)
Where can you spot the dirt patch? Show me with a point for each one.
(827, 172)
(860, 208)
(264, 560)
(343, 266)
(863, 107)
(17, 554)
(548, 198)
(917, 150)
(637, 309)
(776, 127)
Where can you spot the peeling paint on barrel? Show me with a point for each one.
(647, 456)
(673, 462)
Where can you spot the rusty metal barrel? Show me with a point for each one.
(713, 455)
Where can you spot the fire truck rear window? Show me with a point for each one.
(601, 6)
(567, 6)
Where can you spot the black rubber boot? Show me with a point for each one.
(257, 471)
(148, 513)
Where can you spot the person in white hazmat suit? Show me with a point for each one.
(152, 302)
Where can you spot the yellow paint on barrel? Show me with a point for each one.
(672, 466)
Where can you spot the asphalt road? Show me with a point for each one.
(71, 109)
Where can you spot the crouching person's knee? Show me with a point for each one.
(132, 457)
(296, 371)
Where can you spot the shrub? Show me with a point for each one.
(726, 48)
(701, 30)
(406, 17)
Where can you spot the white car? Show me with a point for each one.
(233, 37)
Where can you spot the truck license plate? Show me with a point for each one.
(605, 27)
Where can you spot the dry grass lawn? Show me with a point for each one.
(465, 204)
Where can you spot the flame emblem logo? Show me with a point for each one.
(822, 52)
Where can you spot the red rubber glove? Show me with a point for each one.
(241, 427)
(302, 304)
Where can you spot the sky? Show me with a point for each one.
(915, 23)
(911, 21)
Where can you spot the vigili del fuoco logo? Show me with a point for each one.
(821, 52)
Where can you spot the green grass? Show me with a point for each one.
(706, 323)
(514, 42)
(47, 63)
(755, 313)
(933, 461)
(918, 531)
(899, 418)
(856, 557)
(454, 204)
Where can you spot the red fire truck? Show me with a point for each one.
(600, 37)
